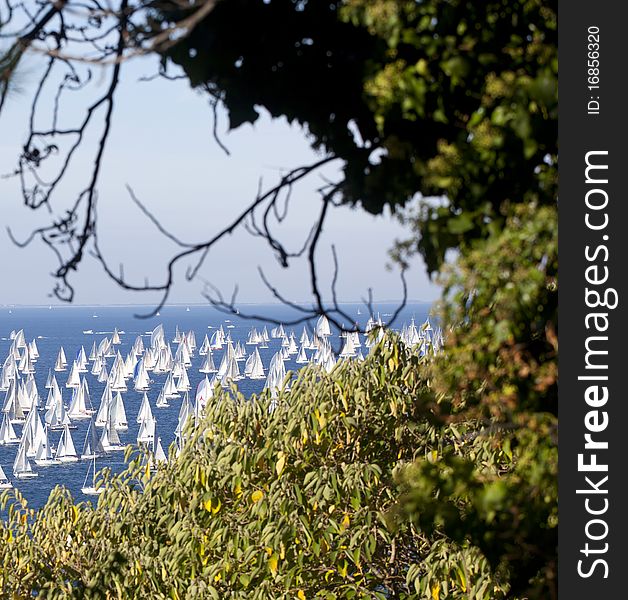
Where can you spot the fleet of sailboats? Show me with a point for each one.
(29, 419)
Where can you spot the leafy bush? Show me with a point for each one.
(295, 502)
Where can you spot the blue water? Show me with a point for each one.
(65, 326)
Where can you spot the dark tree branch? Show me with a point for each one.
(105, 36)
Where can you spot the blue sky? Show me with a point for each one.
(162, 146)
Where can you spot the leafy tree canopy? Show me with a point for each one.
(295, 502)
(445, 98)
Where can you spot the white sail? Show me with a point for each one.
(7, 433)
(145, 412)
(276, 374)
(217, 339)
(34, 351)
(74, 378)
(61, 362)
(56, 416)
(81, 360)
(292, 345)
(170, 388)
(141, 378)
(12, 405)
(185, 412)
(205, 346)
(110, 440)
(5, 484)
(66, 452)
(103, 411)
(119, 413)
(49, 379)
(33, 433)
(138, 346)
(103, 376)
(162, 401)
(43, 455)
(22, 467)
(348, 348)
(157, 337)
(160, 455)
(302, 358)
(254, 337)
(208, 364)
(204, 391)
(78, 405)
(322, 327)
(146, 432)
(184, 382)
(254, 368)
(32, 392)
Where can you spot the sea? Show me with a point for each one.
(73, 327)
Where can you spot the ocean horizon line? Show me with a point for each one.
(201, 304)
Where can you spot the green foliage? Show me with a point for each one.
(503, 501)
(459, 98)
(502, 306)
(499, 368)
(282, 504)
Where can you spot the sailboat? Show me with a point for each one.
(146, 433)
(92, 489)
(5, 484)
(159, 454)
(302, 358)
(92, 446)
(254, 369)
(110, 440)
(43, 455)
(117, 411)
(322, 327)
(66, 452)
(162, 402)
(7, 433)
(145, 412)
(22, 467)
(208, 364)
(61, 362)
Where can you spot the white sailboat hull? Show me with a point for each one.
(114, 448)
(67, 459)
(47, 462)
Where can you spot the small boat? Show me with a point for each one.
(22, 467)
(5, 484)
(43, 455)
(91, 489)
(66, 452)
